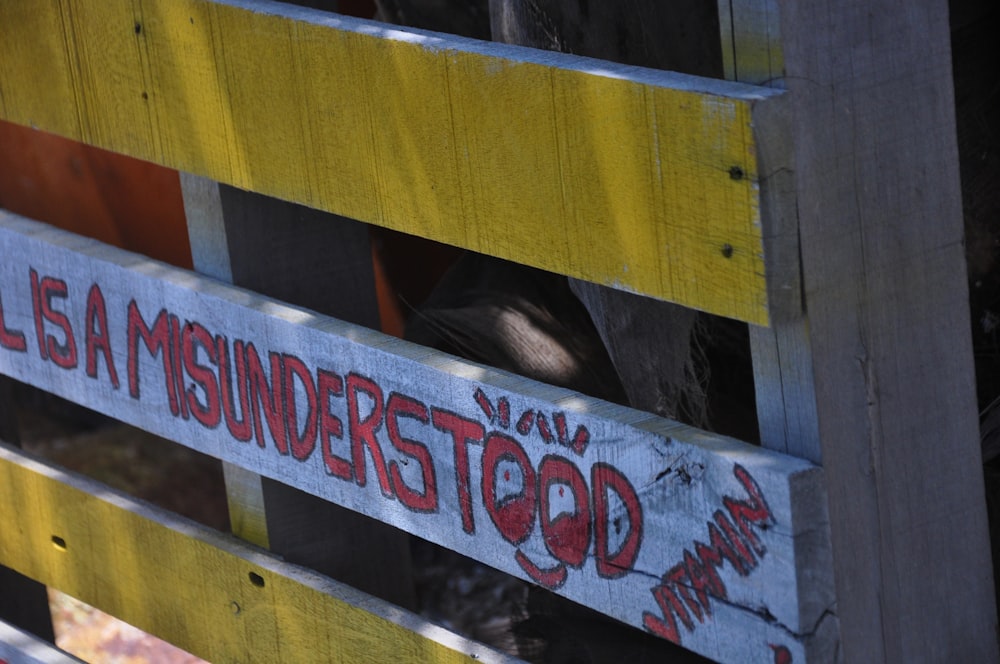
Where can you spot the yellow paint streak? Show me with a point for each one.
(617, 181)
(188, 584)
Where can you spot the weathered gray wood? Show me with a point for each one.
(491, 465)
(783, 374)
(20, 647)
(783, 378)
(650, 343)
(751, 41)
(210, 256)
(785, 389)
(319, 261)
(885, 289)
(23, 602)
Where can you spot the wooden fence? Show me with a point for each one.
(857, 531)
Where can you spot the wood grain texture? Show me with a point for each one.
(315, 260)
(210, 256)
(24, 602)
(618, 175)
(649, 341)
(885, 285)
(785, 393)
(617, 509)
(211, 594)
(751, 41)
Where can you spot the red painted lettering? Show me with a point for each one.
(240, 429)
(157, 340)
(580, 440)
(562, 430)
(484, 403)
(754, 512)
(176, 356)
(720, 550)
(400, 405)
(703, 582)
(11, 339)
(525, 422)
(698, 571)
(97, 337)
(670, 605)
(543, 427)
(749, 561)
(463, 431)
(503, 413)
(361, 431)
(567, 534)
(782, 655)
(268, 398)
(677, 575)
(611, 565)
(512, 511)
(63, 353)
(36, 308)
(331, 385)
(551, 578)
(193, 336)
(302, 443)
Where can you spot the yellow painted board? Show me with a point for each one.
(208, 593)
(625, 176)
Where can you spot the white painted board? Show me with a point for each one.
(20, 647)
(704, 540)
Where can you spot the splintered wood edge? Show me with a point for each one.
(199, 589)
(642, 180)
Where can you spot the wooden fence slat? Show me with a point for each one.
(23, 602)
(624, 176)
(884, 274)
(649, 341)
(310, 259)
(217, 597)
(210, 256)
(614, 508)
(783, 375)
(20, 647)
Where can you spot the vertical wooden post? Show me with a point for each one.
(322, 262)
(783, 376)
(24, 602)
(884, 277)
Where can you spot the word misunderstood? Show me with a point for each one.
(353, 425)
(275, 398)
